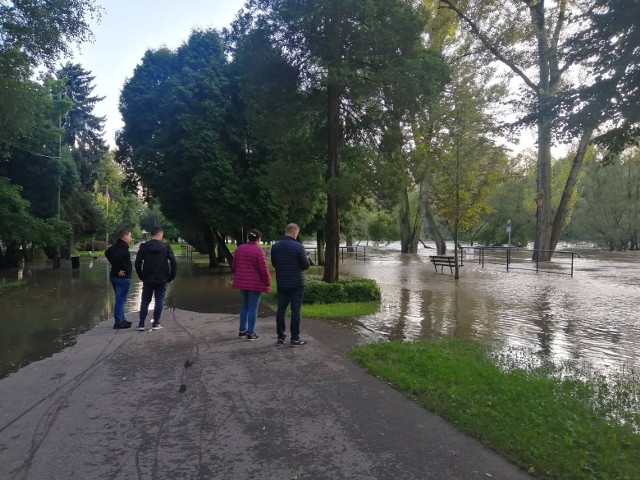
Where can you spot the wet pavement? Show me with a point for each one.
(195, 401)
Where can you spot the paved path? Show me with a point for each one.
(192, 401)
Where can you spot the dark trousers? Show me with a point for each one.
(288, 296)
(155, 291)
(121, 290)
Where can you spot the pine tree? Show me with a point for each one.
(83, 130)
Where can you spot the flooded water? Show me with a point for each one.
(48, 308)
(592, 316)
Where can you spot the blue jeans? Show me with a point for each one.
(249, 311)
(157, 291)
(121, 289)
(288, 296)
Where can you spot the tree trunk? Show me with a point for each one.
(27, 252)
(456, 274)
(349, 241)
(210, 242)
(569, 187)
(543, 197)
(441, 246)
(11, 255)
(409, 227)
(333, 171)
(320, 246)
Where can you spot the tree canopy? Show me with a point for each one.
(350, 52)
(608, 46)
(183, 141)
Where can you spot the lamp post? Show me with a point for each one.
(56, 254)
(106, 229)
(60, 160)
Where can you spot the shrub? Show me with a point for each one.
(344, 291)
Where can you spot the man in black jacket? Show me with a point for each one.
(120, 275)
(289, 258)
(156, 266)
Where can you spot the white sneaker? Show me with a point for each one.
(156, 326)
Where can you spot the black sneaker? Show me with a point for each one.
(122, 325)
(243, 333)
(140, 328)
(280, 341)
(252, 336)
(295, 343)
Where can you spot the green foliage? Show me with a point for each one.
(551, 422)
(465, 165)
(346, 290)
(513, 200)
(152, 217)
(345, 312)
(83, 131)
(40, 32)
(609, 91)
(609, 206)
(183, 140)
(116, 206)
(383, 228)
(33, 34)
(16, 224)
(353, 60)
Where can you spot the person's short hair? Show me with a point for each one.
(156, 230)
(123, 232)
(254, 234)
(291, 228)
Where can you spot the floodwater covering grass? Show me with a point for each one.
(557, 422)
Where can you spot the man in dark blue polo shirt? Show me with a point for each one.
(290, 260)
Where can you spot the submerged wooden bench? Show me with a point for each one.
(443, 261)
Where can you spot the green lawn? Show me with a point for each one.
(557, 423)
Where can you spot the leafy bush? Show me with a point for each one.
(344, 291)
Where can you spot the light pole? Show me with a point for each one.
(56, 254)
(59, 160)
(106, 229)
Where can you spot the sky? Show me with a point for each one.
(127, 29)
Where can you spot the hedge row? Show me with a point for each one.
(344, 291)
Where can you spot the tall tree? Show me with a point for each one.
(528, 37)
(43, 169)
(34, 33)
(345, 49)
(285, 154)
(83, 130)
(183, 142)
(465, 165)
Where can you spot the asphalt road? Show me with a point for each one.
(193, 401)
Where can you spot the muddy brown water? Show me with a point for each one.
(591, 317)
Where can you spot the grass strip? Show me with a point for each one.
(553, 426)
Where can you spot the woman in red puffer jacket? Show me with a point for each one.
(251, 277)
